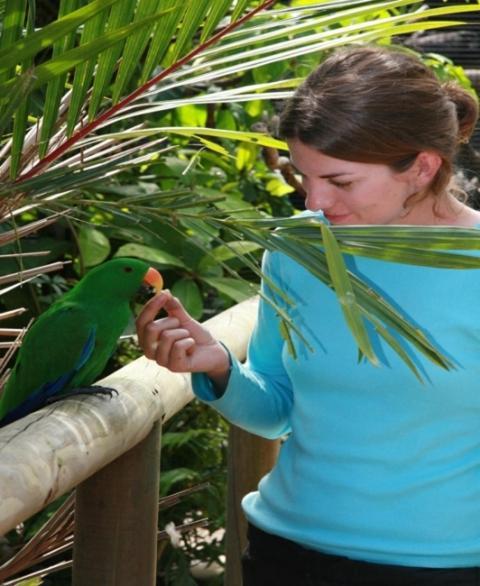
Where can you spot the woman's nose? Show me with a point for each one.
(319, 196)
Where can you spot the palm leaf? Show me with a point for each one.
(162, 36)
(55, 88)
(310, 251)
(185, 33)
(135, 45)
(81, 53)
(12, 53)
(345, 293)
(12, 29)
(22, 102)
(83, 76)
(71, 162)
(196, 132)
(268, 52)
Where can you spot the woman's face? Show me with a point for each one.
(348, 192)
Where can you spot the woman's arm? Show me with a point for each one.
(256, 396)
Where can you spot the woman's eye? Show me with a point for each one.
(341, 184)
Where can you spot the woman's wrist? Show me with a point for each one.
(219, 376)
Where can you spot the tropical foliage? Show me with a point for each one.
(78, 108)
(147, 128)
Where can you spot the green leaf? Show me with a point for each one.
(121, 14)
(278, 188)
(371, 304)
(30, 582)
(18, 136)
(240, 6)
(326, 40)
(190, 296)
(226, 120)
(287, 336)
(246, 156)
(248, 137)
(191, 115)
(295, 24)
(393, 343)
(254, 108)
(218, 9)
(162, 36)
(46, 36)
(228, 251)
(169, 478)
(84, 72)
(346, 296)
(56, 86)
(213, 146)
(12, 27)
(174, 440)
(22, 102)
(60, 65)
(94, 246)
(186, 32)
(162, 259)
(16, 104)
(235, 289)
(413, 256)
(135, 46)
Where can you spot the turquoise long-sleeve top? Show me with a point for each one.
(375, 465)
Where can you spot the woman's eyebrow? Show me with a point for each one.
(325, 176)
(332, 175)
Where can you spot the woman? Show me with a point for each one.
(378, 481)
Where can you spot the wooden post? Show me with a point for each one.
(116, 520)
(249, 458)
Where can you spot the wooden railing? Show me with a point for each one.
(109, 449)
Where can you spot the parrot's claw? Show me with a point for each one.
(95, 390)
(92, 390)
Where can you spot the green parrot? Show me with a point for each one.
(68, 346)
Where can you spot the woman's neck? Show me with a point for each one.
(441, 211)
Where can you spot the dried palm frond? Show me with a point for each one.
(56, 537)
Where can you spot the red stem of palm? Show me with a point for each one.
(59, 151)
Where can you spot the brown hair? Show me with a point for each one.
(377, 105)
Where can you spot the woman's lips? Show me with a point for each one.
(336, 218)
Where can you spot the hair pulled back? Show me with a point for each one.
(384, 106)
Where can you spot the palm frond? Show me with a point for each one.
(55, 538)
(83, 64)
(317, 248)
(112, 32)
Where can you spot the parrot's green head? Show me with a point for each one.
(120, 278)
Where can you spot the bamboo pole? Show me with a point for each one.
(49, 452)
(249, 458)
(116, 517)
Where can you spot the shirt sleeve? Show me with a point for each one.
(259, 393)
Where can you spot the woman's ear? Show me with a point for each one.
(425, 168)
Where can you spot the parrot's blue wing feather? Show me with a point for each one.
(40, 396)
(86, 350)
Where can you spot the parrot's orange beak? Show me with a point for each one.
(154, 279)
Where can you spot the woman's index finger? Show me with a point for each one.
(174, 308)
(151, 308)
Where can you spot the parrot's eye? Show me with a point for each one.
(128, 269)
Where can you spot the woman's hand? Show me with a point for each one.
(179, 342)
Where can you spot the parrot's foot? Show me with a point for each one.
(92, 390)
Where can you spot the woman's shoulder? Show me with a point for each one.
(472, 218)
(463, 217)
